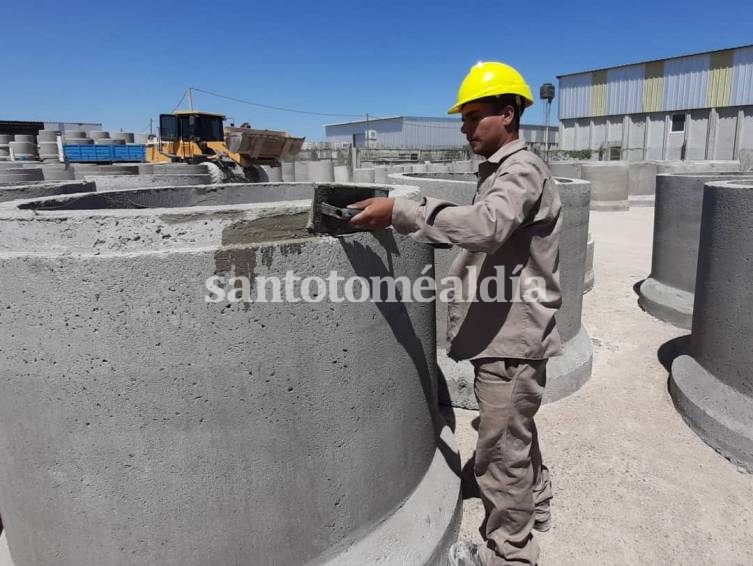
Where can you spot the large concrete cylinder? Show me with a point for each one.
(667, 293)
(38, 189)
(274, 174)
(108, 141)
(177, 169)
(74, 134)
(301, 171)
(20, 175)
(23, 149)
(48, 150)
(81, 170)
(642, 182)
(566, 169)
(566, 373)
(380, 173)
(463, 166)
(99, 135)
(708, 166)
(609, 184)
(590, 277)
(288, 171)
(57, 172)
(78, 141)
(127, 137)
(321, 171)
(47, 136)
(363, 175)
(143, 425)
(342, 174)
(712, 387)
(25, 138)
(122, 182)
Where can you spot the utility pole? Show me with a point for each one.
(190, 99)
(366, 133)
(547, 93)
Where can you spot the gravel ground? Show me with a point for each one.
(633, 484)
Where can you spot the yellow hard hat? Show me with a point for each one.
(491, 78)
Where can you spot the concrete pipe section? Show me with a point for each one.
(566, 373)
(145, 424)
(274, 174)
(566, 169)
(364, 175)
(127, 137)
(23, 149)
(38, 189)
(667, 293)
(609, 184)
(47, 136)
(99, 135)
(712, 387)
(20, 175)
(108, 141)
(82, 170)
(122, 182)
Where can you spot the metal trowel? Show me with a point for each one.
(330, 212)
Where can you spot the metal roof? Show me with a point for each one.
(656, 60)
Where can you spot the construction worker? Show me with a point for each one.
(513, 225)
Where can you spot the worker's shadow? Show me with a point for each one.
(367, 263)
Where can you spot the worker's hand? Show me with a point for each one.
(376, 215)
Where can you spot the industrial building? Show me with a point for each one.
(31, 128)
(697, 106)
(416, 132)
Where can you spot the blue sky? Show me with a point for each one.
(121, 63)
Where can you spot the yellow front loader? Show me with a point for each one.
(189, 136)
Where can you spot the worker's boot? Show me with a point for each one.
(464, 553)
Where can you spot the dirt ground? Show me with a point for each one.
(633, 485)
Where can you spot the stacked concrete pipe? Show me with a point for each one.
(566, 373)
(712, 386)
(185, 432)
(23, 147)
(4, 147)
(667, 293)
(108, 141)
(127, 137)
(99, 135)
(609, 184)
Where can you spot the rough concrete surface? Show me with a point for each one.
(185, 433)
(713, 385)
(633, 485)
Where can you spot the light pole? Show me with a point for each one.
(547, 93)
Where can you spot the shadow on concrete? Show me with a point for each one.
(367, 263)
(637, 287)
(468, 483)
(670, 350)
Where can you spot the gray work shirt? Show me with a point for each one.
(510, 231)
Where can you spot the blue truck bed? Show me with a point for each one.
(104, 153)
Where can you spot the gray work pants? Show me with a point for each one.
(513, 482)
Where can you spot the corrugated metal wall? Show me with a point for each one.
(418, 132)
(742, 77)
(719, 79)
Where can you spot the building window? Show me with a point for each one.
(615, 153)
(678, 122)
